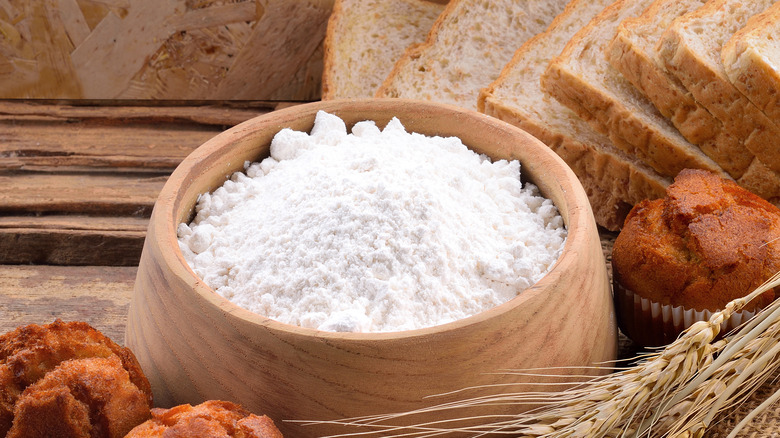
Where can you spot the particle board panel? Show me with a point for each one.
(162, 49)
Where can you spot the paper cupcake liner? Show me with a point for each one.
(651, 324)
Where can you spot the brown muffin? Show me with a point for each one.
(706, 243)
(210, 419)
(28, 354)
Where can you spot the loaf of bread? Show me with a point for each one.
(81, 398)
(469, 44)
(581, 79)
(364, 39)
(691, 50)
(626, 112)
(750, 60)
(632, 52)
(516, 97)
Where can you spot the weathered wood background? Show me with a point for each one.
(162, 49)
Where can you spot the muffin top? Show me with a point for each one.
(706, 243)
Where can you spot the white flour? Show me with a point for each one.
(371, 231)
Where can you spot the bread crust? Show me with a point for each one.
(708, 83)
(749, 68)
(364, 38)
(628, 53)
(468, 45)
(612, 181)
(609, 105)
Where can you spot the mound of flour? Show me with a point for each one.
(371, 231)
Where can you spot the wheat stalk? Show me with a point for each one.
(676, 391)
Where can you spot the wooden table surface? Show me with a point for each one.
(78, 185)
(79, 181)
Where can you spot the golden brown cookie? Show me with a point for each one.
(28, 353)
(210, 419)
(81, 398)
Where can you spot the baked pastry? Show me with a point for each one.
(210, 419)
(81, 398)
(28, 354)
(706, 243)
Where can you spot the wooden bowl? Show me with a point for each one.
(195, 345)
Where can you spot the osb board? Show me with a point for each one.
(162, 49)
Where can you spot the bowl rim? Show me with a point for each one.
(579, 219)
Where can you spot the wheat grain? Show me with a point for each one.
(676, 391)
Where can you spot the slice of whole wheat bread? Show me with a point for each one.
(366, 37)
(690, 49)
(613, 180)
(466, 49)
(751, 59)
(632, 53)
(582, 79)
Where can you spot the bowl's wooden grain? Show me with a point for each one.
(195, 345)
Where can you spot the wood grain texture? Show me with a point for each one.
(40, 294)
(79, 182)
(162, 49)
(195, 345)
(79, 193)
(74, 240)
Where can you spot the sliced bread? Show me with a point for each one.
(690, 49)
(613, 180)
(582, 79)
(751, 59)
(632, 53)
(366, 37)
(466, 49)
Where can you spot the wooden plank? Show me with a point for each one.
(145, 138)
(72, 240)
(75, 222)
(39, 294)
(222, 114)
(70, 247)
(103, 194)
(28, 143)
